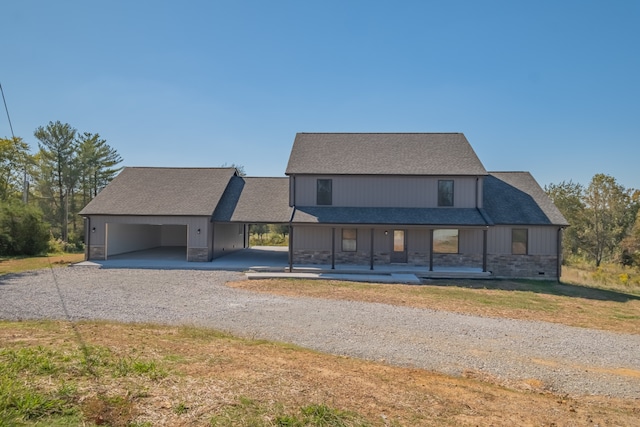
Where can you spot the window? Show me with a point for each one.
(323, 196)
(519, 241)
(349, 239)
(445, 192)
(445, 241)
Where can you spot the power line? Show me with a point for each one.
(25, 183)
(7, 110)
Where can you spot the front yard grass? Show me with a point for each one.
(20, 264)
(103, 373)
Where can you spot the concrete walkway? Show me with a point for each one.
(264, 262)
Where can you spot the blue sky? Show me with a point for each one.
(552, 87)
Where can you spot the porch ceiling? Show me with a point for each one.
(390, 216)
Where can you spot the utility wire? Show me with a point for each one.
(7, 110)
(25, 184)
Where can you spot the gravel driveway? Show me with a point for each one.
(566, 359)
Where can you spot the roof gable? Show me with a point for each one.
(162, 191)
(247, 199)
(383, 154)
(515, 198)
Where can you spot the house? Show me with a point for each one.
(420, 199)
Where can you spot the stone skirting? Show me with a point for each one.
(311, 257)
(507, 266)
(197, 254)
(523, 266)
(97, 253)
(457, 260)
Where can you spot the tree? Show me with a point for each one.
(97, 161)
(239, 168)
(14, 161)
(631, 245)
(22, 230)
(282, 229)
(259, 229)
(607, 207)
(567, 196)
(57, 143)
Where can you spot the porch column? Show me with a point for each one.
(484, 250)
(290, 248)
(371, 260)
(431, 249)
(333, 248)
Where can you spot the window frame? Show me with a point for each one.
(442, 196)
(457, 235)
(324, 197)
(514, 231)
(354, 239)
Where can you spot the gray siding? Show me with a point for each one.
(542, 240)
(386, 191)
(469, 241)
(319, 238)
(227, 238)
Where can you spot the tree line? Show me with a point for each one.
(604, 220)
(42, 193)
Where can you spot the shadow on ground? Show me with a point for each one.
(540, 287)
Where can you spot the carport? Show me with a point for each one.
(125, 238)
(196, 214)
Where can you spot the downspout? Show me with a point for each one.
(431, 249)
(333, 248)
(88, 237)
(371, 259)
(293, 211)
(559, 254)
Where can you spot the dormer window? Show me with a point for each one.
(445, 192)
(324, 192)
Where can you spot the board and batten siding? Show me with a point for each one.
(193, 239)
(319, 238)
(386, 191)
(227, 238)
(543, 240)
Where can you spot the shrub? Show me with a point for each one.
(22, 230)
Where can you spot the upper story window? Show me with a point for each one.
(445, 241)
(445, 192)
(519, 241)
(324, 192)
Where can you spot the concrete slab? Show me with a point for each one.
(274, 259)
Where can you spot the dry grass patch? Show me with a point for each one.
(567, 304)
(210, 378)
(20, 264)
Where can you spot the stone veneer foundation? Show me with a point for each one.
(197, 254)
(508, 266)
(523, 266)
(96, 252)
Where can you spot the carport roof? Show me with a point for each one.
(255, 200)
(162, 191)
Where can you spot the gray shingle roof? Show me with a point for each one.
(391, 216)
(383, 154)
(162, 191)
(255, 200)
(516, 198)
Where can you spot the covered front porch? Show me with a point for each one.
(432, 251)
